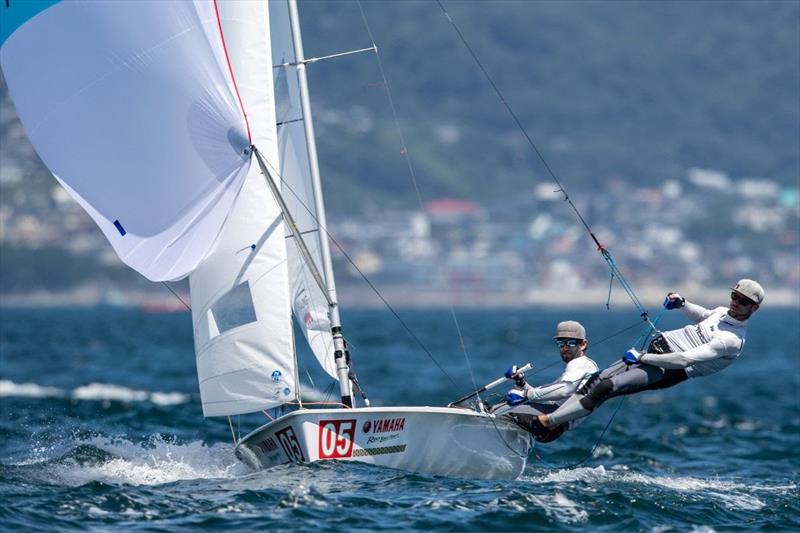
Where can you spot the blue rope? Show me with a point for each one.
(610, 284)
(615, 271)
(651, 328)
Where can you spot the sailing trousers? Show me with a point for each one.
(618, 380)
(527, 414)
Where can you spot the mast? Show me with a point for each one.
(341, 355)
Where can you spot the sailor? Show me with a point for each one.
(527, 402)
(712, 343)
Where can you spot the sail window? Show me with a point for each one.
(233, 309)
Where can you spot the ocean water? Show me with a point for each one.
(101, 430)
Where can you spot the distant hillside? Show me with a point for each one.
(638, 89)
(641, 90)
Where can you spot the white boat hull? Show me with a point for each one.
(432, 440)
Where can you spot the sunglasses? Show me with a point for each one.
(741, 299)
(567, 342)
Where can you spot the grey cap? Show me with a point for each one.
(570, 330)
(751, 289)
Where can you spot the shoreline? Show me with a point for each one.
(407, 298)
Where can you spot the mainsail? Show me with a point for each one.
(308, 302)
(132, 107)
(240, 292)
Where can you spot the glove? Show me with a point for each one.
(514, 373)
(632, 356)
(515, 397)
(674, 301)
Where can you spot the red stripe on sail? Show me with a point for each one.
(230, 69)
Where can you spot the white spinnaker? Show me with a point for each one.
(308, 301)
(240, 292)
(131, 105)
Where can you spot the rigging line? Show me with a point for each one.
(615, 271)
(363, 276)
(619, 332)
(535, 148)
(337, 404)
(619, 405)
(410, 166)
(288, 122)
(645, 336)
(176, 295)
(608, 424)
(329, 391)
(464, 350)
(302, 233)
(610, 284)
(311, 380)
(604, 339)
(388, 306)
(622, 400)
(307, 284)
(391, 104)
(230, 425)
(514, 116)
(522, 455)
(554, 363)
(330, 56)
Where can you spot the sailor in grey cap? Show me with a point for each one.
(711, 343)
(526, 403)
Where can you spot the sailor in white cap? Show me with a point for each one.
(527, 402)
(711, 343)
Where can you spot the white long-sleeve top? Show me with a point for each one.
(576, 373)
(711, 344)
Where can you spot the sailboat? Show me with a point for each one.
(184, 129)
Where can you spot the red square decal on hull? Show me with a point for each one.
(336, 438)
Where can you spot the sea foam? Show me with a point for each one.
(92, 392)
(154, 462)
(732, 494)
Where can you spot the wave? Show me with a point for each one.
(559, 507)
(119, 461)
(732, 494)
(92, 392)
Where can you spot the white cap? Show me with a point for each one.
(751, 289)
